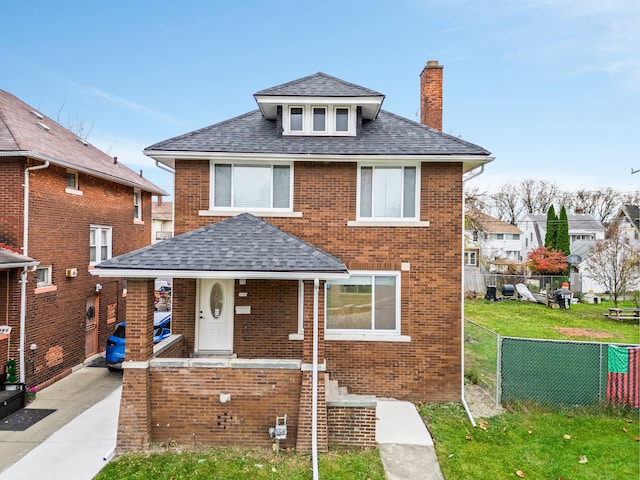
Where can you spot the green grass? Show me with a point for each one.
(243, 463)
(532, 441)
(532, 320)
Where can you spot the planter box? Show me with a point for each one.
(11, 401)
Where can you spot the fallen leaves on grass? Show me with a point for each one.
(567, 437)
(628, 420)
(583, 459)
(520, 473)
(483, 425)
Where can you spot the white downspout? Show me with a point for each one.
(25, 270)
(314, 383)
(464, 401)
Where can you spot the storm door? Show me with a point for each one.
(215, 316)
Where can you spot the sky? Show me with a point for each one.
(550, 87)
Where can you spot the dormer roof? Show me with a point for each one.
(319, 88)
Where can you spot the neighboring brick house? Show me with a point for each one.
(65, 206)
(318, 248)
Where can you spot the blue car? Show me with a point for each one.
(116, 342)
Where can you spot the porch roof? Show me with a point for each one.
(11, 259)
(243, 246)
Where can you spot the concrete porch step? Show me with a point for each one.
(337, 394)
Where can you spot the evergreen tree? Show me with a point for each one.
(562, 233)
(552, 228)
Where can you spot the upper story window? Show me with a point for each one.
(137, 204)
(246, 186)
(72, 185)
(388, 193)
(319, 120)
(99, 244)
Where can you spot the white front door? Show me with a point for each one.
(215, 316)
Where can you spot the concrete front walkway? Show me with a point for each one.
(70, 443)
(404, 442)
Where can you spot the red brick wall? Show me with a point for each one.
(426, 369)
(186, 405)
(59, 236)
(351, 426)
(274, 315)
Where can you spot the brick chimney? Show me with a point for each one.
(431, 95)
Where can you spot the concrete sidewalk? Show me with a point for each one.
(72, 442)
(405, 445)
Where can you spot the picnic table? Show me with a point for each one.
(624, 313)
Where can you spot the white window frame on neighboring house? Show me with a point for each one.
(137, 204)
(471, 258)
(100, 243)
(228, 192)
(43, 276)
(370, 194)
(72, 185)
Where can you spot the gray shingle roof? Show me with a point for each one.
(389, 134)
(11, 259)
(321, 85)
(243, 243)
(577, 221)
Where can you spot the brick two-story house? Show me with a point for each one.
(318, 241)
(66, 206)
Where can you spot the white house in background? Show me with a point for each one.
(628, 223)
(582, 226)
(492, 240)
(161, 220)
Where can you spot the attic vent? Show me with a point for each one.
(83, 142)
(43, 126)
(37, 115)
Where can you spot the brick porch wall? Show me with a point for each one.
(186, 407)
(351, 426)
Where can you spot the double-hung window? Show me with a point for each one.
(99, 244)
(244, 186)
(137, 205)
(366, 302)
(388, 192)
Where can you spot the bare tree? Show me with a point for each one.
(77, 125)
(607, 203)
(614, 264)
(506, 203)
(537, 195)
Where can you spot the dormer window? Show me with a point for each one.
(342, 119)
(319, 120)
(295, 116)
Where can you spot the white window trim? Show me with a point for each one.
(137, 194)
(49, 281)
(99, 229)
(72, 190)
(389, 221)
(299, 335)
(215, 210)
(330, 120)
(374, 335)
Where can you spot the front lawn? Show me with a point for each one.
(243, 463)
(576, 444)
(584, 322)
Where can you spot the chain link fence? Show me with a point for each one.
(551, 372)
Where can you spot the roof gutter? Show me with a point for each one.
(25, 269)
(471, 175)
(249, 275)
(71, 166)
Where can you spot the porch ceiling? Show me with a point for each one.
(240, 247)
